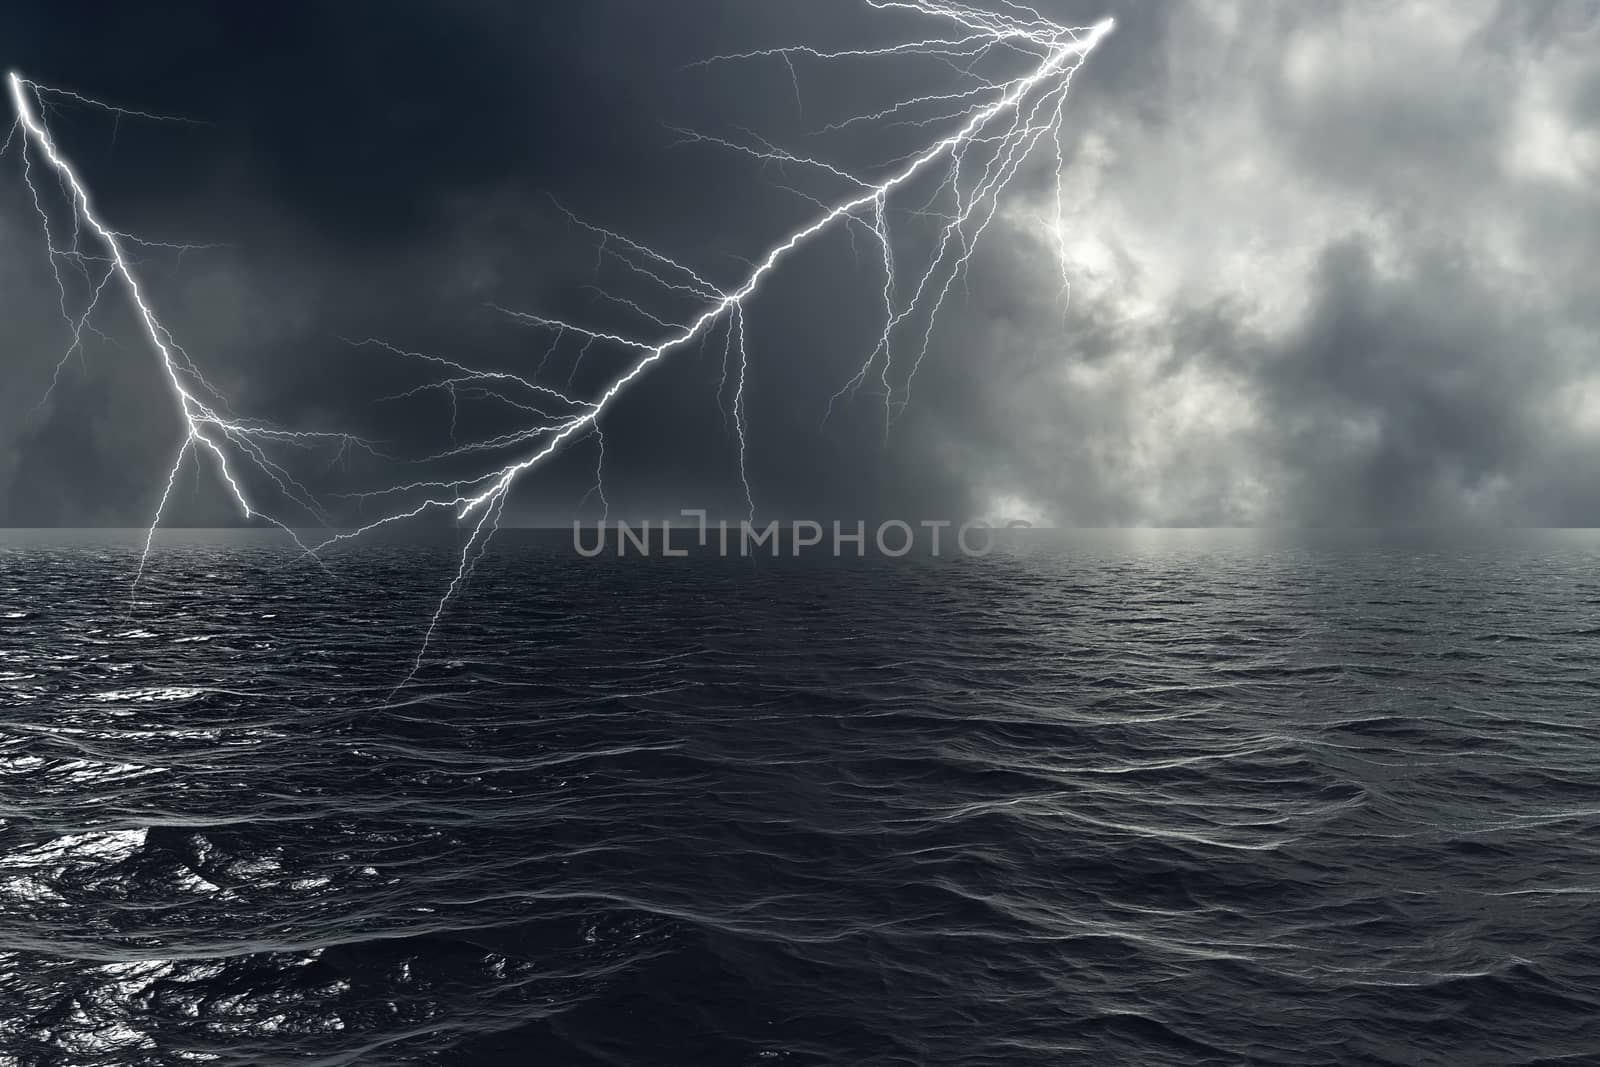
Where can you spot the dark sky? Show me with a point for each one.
(1331, 264)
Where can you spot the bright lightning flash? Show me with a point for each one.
(1013, 69)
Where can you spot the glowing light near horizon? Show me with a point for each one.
(990, 126)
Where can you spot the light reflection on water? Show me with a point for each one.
(1168, 797)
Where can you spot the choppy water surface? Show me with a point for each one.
(1156, 799)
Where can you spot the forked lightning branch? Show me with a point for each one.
(1010, 71)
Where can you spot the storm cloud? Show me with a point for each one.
(1329, 265)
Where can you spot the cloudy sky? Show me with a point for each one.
(1330, 264)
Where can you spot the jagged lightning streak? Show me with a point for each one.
(204, 427)
(998, 118)
(1065, 50)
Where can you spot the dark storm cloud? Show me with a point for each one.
(382, 171)
(1404, 399)
(1326, 263)
(1333, 269)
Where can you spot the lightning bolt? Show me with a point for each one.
(201, 408)
(1015, 70)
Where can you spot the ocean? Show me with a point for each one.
(1146, 798)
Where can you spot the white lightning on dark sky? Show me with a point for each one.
(979, 132)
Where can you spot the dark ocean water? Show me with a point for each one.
(1142, 799)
